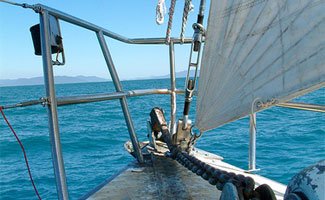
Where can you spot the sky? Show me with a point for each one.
(130, 18)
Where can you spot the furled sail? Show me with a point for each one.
(258, 53)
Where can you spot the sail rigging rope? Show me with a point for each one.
(188, 7)
(160, 12)
(170, 20)
(23, 150)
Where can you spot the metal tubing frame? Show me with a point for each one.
(100, 34)
(118, 87)
(198, 63)
(62, 101)
(172, 88)
(23, 104)
(57, 158)
(51, 101)
(90, 26)
(69, 100)
(252, 143)
(303, 106)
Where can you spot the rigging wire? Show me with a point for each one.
(14, 3)
(23, 5)
(23, 150)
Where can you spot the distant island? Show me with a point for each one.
(180, 74)
(76, 79)
(58, 80)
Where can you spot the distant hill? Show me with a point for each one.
(77, 79)
(181, 74)
(58, 79)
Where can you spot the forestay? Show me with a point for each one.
(259, 53)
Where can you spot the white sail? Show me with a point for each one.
(258, 53)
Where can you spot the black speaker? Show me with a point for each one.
(55, 37)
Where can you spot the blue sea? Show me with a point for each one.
(93, 135)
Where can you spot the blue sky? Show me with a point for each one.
(129, 18)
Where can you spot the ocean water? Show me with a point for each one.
(93, 135)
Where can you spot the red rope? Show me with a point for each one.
(23, 149)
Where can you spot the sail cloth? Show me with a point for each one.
(258, 53)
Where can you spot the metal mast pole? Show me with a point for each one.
(57, 158)
(173, 88)
(252, 143)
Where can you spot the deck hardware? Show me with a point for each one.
(151, 135)
(259, 104)
(159, 124)
(199, 33)
(198, 27)
(55, 40)
(194, 63)
(183, 137)
(195, 135)
(188, 99)
(45, 101)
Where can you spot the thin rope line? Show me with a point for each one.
(170, 20)
(187, 8)
(24, 152)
